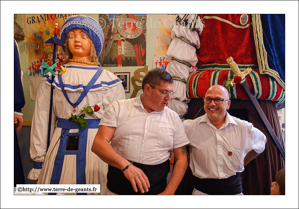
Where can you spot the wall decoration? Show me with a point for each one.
(125, 40)
(125, 78)
(38, 28)
(166, 23)
(138, 77)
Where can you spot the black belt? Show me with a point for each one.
(156, 175)
(229, 186)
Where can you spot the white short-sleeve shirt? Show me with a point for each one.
(142, 137)
(220, 153)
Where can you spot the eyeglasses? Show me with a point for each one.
(164, 93)
(208, 100)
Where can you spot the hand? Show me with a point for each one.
(18, 120)
(137, 177)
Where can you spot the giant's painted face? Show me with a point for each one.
(79, 43)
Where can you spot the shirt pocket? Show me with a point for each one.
(236, 161)
(165, 139)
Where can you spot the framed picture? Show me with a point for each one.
(125, 78)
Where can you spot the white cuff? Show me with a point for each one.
(34, 174)
(18, 113)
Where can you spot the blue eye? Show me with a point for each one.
(72, 36)
(84, 36)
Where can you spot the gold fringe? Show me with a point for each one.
(226, 21)
(261, 51)
(181, 61)
(178, 79)
(222, 66)
(186, 41)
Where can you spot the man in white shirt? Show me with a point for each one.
(220, 146)
(143, 132)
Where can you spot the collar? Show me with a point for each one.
(81, 67)
(138, 102)
(228, 120)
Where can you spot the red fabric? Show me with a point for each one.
(265, 85)
(278, 92)
(203, 83)
(241, 94)
(190, 86)
(222, 77)
(237, 79)
(220, 40)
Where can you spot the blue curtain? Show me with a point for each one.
(19, 102)
(274, 41)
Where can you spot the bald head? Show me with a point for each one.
(219, 89)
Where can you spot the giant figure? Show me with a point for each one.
(82, 82)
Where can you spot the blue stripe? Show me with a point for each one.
(64, 123)
(37, 165)
(81, 159)
(82, 67)
(85, 90)
(81, 86)
(80, 153)
(57, 169)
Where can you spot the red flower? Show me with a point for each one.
(96, 108)
(237, 79)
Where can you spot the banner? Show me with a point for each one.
(166, 23)
(38, 28)
(125, 40)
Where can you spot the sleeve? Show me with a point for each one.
(110, 115)
(39, 129)
(185, 124)
(180, 137)
(258, 140)
(19, 100)
(115, 93)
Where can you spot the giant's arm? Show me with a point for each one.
(39, 129)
